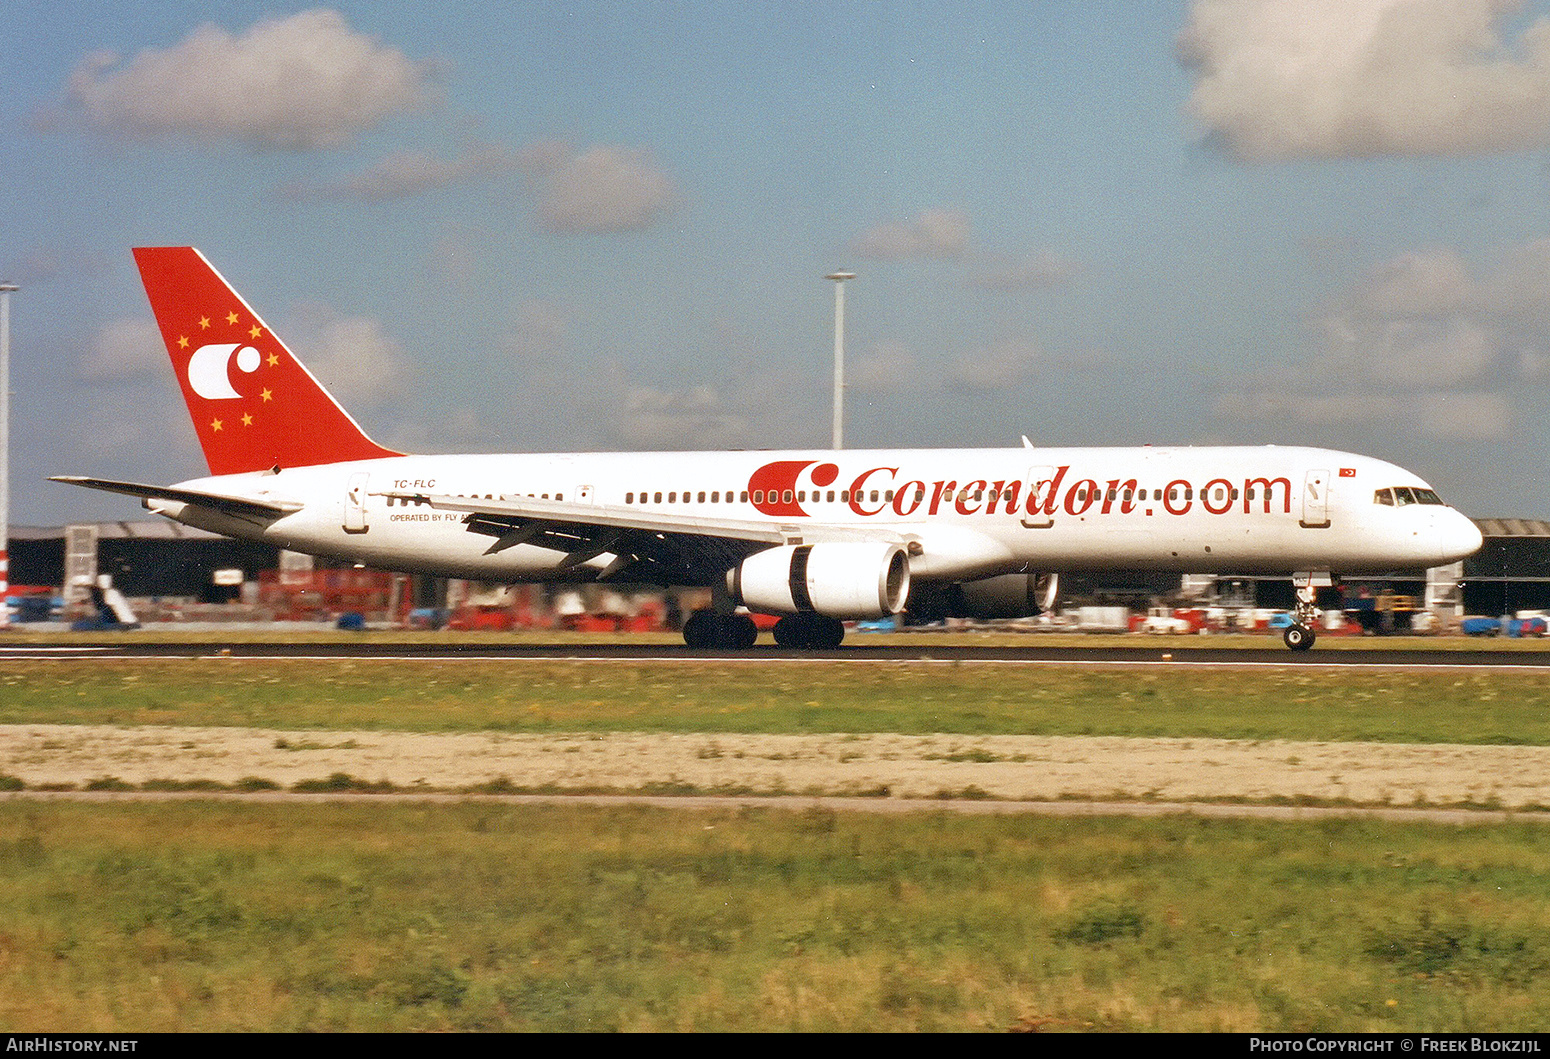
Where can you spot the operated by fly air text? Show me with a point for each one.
(816, 537)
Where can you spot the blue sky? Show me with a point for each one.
(557, 226)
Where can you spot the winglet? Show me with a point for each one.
(254, 405)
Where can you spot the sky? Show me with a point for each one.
(560, 226)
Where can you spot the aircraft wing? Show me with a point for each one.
(651, 546)
(240, 506)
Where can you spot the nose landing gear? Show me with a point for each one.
(1299, 636)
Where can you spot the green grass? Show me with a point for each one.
(525, 695)
(210, 916)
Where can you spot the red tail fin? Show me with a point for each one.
(254, 405)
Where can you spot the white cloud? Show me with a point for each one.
(351, 355)
(1290, 79)
(939, 233)
(888, 368)
(1423, 343)
(1470, 416)
(601, 189)
(302, 82)
(406, 173)
(1002, 366)
(125, 349)
(687, 419)
(1008, 274)
(1426, 320)
(1466, 416)
(538, 332)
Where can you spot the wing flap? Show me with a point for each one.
(644, 545)
(563, 513)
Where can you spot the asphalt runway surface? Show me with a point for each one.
(1265, 652)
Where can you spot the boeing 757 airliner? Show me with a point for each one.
(817, 537)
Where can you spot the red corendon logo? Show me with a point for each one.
(774, 487)
(779, 489)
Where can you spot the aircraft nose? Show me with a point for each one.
(1458, 536)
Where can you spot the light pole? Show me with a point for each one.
(839, 279)
(5, 450)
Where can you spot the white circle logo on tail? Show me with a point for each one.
(209, 369)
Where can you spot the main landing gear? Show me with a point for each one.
(708, 629)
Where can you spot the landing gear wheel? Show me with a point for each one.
(1298, 637)
(809, 632)
(738, 631)
(706, 629)
(700, 629)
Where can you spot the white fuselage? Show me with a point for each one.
(968, 513)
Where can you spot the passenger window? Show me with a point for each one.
(715, 498)
(744, 495)
(629, 498)
(785, 496)
(672, 498)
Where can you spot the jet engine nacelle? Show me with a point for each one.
(840, 580)
(1007, 596)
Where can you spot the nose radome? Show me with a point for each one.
(1458, 536)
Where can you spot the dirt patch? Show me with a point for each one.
(1008, 767)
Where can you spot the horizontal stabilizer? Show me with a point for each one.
(231, 505)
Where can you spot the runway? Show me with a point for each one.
(1153, 653)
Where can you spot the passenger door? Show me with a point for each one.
(355, 503)
(1315, 500)
(1041, 480)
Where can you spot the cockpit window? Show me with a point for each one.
(1401, 495)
